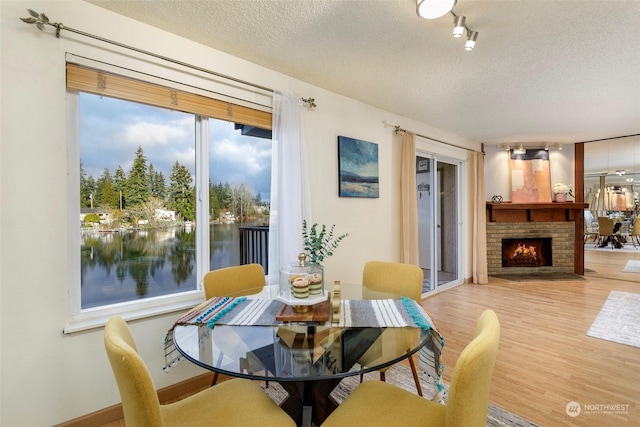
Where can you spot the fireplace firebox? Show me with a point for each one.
(527, 252)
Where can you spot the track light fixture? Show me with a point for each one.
(519, 150)
(432, 9)
(559, 146)
(472, 36)
(458, 26)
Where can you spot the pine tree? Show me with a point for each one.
(85, 189)
(106, 196)
(137, 188)
(120, 185)
(180, 193)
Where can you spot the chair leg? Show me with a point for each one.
(415, 375)
(361, 377)
(215, 379)
(383, 378)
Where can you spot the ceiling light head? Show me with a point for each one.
(519, 150)
(559, 146)
(620, 172)
(432, 9)
(471, 40)
(546, 147)
(458, 26)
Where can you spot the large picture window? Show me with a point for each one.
(162, 192)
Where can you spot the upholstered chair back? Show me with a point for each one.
(234, 280)
(468, 398)
(403, 279)
(140, 402)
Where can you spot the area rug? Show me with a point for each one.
(632, 266)
(628, 248)
(619, 319)
(401, 376)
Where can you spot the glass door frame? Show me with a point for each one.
(438, 153)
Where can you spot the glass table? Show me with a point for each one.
(307, 359)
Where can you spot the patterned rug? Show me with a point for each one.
(401, 376)
(619, 319)
(632, 266)
(628, 247)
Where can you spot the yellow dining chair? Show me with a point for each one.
(238, 280)
(402, 279)
(234, 280)
(381, 404)
(635, 232)
(225, 404)
(605, 232)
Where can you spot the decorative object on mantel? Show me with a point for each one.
(497, 199)
(561, 191)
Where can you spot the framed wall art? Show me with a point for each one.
(530, 177)
(357, 168)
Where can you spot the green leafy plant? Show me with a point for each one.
(320, 245)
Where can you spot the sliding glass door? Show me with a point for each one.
(438, 186)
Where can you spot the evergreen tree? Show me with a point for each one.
(156, 183)
(106, 196)
(85, 190)
(137, 188)
(91, 189)
(181, 194)
(120, 185)
(214, 204)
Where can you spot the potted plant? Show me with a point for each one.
(320, 245)
(561, 191)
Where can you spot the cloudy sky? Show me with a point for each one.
(112, 130)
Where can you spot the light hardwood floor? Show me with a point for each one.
(545, 359)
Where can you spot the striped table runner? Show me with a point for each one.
(386, 313)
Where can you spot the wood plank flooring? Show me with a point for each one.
(545, 359)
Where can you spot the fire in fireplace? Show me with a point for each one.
(526, 252)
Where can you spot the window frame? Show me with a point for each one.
(95, 317)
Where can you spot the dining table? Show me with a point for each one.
(308, 358)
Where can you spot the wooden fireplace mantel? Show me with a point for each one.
(544, 212)
(535, 212)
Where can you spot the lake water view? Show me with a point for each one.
(132, 264)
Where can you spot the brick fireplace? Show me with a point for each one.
(562, 239)
(515, 232)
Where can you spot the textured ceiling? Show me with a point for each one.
(542, 70)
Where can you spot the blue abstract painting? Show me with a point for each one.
(358, 168)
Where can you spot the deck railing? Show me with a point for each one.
(254, 245)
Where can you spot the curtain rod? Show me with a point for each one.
(40, 20)
(397, 129)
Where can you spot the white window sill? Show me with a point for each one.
(94, 318)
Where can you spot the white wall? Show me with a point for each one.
(49, 377)
(496, 166)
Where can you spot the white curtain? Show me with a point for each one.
(289, 184)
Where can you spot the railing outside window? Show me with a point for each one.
(254, 245)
